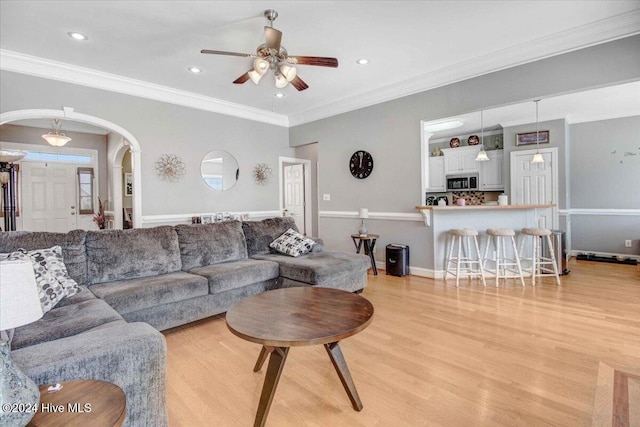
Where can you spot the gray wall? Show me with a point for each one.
(164, 128)
(390, 132)
(605, 174)
(33, 136)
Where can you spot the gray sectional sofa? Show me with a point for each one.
(140, 281)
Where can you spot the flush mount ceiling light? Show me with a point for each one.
(271, 55)
(362, 61)
(443, 125)
(537, 158)
(279, 95)
(482, 155)
(195, 70)
(57, 139)
(77, 36)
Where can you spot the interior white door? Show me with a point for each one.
(294, 194)
(536, 183)
(48, 197)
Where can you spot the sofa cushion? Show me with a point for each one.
(206, 244)
(319, 268)
(126, 296)
(73, 248)
(64, 322)
(52, 280)
(292, 243)
(259, 234)
(230, 275)
(114, 255)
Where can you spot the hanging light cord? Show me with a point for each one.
(537, 134)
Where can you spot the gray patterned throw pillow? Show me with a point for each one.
(292, 243)
(52, 278)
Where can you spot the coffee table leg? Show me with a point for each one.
(262, 357)
(337, 358)
(274, 370)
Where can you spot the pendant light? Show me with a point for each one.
(537, 158)
(57, 139)
(482, 155)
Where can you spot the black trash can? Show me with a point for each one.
(397, 260)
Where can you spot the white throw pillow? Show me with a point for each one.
(292, 243)
(51, 274)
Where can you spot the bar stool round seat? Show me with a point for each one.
(504, 267)
(464, 263)
(539, 262)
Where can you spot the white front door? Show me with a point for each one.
(536, 183)
(48, 197)
(294, 194)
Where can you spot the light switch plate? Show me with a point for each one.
(326, 197)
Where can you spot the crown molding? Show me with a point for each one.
(54, 70)
(606, 30)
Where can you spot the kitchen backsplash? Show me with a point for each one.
(471, 197)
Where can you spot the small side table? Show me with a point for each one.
(369, 241)
(81, 403)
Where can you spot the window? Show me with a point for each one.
(57, 157)
(85, 183)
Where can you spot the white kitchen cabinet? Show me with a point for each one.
(436, 174)
(461, 160)
(491, 172)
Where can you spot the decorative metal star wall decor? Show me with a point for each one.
(262, 174)
(170, 167)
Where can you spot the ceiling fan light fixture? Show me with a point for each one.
(281, 81)
(57, 139)
(288, 72)
(260, 66)
(255, 76)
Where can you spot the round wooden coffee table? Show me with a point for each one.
(291, 317)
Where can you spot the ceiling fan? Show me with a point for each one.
(271, 55)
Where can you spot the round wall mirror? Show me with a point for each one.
(219, 170)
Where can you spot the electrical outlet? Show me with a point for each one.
(627, 243)
(326, 197)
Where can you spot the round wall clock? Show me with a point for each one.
(361, 164)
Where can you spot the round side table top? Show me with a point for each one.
(299, 316)
(81, 403)
(365, 236)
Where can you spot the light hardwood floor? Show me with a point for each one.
(433, 356)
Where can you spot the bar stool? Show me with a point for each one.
(501, 238)
(538, 260)
(465, 262)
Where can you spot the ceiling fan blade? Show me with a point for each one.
(242, 79)
(313, 60)
(299, 84)
(221, 52)
(273, 38)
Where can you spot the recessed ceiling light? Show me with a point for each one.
(279, 95)
(195, 70)
(363, 61)
(77, 36)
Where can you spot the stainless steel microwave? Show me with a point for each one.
(465, 182)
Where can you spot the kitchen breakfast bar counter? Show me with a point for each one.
(440, 219)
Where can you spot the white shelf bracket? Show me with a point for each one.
(426, 214)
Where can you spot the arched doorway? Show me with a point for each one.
(128, 142)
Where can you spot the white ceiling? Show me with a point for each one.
(411, 45)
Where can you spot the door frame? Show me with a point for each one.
(308, 225)
(553, 151)
(67, 113)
